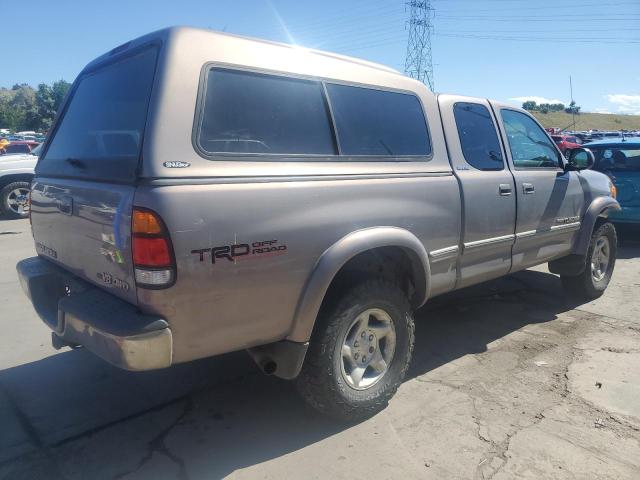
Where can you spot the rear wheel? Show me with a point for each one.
(14, 200)
(359, 352)
(600, 261)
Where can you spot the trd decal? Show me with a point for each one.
(567, 220)
(241, 251)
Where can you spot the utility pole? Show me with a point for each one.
(418, 63)
(573, 105)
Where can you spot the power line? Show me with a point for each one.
(418, 62)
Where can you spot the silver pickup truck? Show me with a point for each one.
(202, 193)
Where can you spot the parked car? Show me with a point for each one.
(620, 160)
(16, 173)
(295, 203)
(566, 142)
(19, 147)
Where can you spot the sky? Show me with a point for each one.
(508, 50)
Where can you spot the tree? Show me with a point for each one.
(530, 105)
(572, 108)
(23, 108)
(45, 107)
(60, 90)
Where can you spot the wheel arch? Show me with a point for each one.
(348, 249)
(15, 177)
(599, 208)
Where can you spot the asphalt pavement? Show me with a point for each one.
(509, 380)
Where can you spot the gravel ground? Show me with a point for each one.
(509, 380)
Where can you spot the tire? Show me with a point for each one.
(12, 201)
(329, 381)
(595, 277)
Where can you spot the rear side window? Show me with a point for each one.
(375, 122)
(248, 112)
(478, 137)
(100, 133)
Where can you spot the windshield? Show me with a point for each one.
(617, 159)
(100, 133)
(17, 148)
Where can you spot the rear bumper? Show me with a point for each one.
(80, 313)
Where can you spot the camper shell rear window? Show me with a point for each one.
(99, 134)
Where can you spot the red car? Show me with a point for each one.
(566, 142)
(19, 146)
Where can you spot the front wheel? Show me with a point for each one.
(600, 261)
(14, 200)
(359, 352)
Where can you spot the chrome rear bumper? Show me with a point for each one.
(107, 326)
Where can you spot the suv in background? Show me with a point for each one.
(16, 173)
(619, 159)
(566, 143)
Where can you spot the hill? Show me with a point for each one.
(589, 121)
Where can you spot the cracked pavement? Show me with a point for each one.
(509, 380)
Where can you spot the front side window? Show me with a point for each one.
(378, 123)
(530, 147)
(247, 112)
(478, 137)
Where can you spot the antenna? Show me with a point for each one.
(418, 62)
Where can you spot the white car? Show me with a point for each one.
(16, 173)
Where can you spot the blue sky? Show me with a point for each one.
(501, 49)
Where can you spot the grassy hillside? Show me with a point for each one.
(588, 121)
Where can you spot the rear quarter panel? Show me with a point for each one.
(229, 305)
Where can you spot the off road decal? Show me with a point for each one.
(240, 251)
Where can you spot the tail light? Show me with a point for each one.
(153, 259)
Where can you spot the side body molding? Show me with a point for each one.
(598, 207)
(336, 256)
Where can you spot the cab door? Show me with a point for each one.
(487, 187)
(550, 200)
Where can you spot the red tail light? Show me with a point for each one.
(151, 252)
(153, 259)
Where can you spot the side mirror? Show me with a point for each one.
(581, 159)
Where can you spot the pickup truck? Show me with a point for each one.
(202, 193)
(16, 173)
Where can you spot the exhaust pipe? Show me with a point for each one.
(58, 342)
(269, 367)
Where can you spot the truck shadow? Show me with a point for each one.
(216, 416)
(630, 236)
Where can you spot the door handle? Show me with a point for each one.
(528, 188)
(504, 189)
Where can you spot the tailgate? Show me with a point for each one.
(85, 178)
(86, 228)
